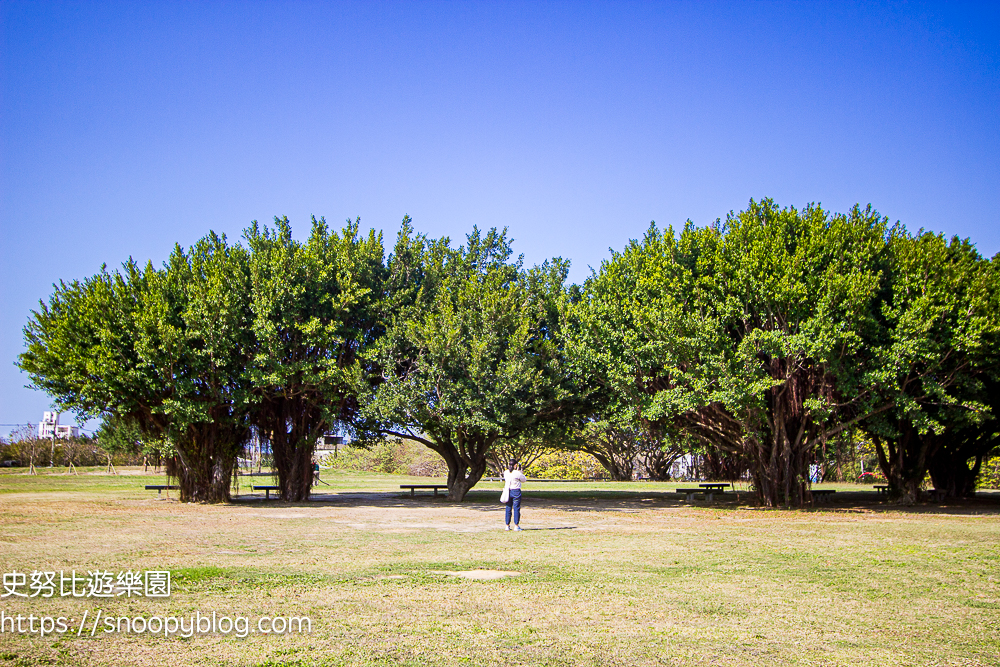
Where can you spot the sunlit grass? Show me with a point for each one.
(621, 574)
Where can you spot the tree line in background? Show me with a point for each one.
(24, 447)
(767, 345)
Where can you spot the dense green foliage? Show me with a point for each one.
(163, 349)
(315, 310)
(761, 346)
(473, 357)
(938, 366)
(769, 334)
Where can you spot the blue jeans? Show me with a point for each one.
(513, 503)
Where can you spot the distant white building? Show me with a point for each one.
(49, 426)
(684, 467)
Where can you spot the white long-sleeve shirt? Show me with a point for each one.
(514, 478)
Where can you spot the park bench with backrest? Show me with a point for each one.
(267, 489)
(159, 488)
(414, 487)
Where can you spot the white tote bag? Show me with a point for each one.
(505, 496)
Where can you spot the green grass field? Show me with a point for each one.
(606, 574)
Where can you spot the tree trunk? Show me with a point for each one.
(467, 457)
(904, 463)
(780, 461)
(948, 460)
(206, 458)
(657, 464)
(950, 472)
(295, 472)
(205, 484)
(620, 471)
(466, 462)
(462, 473)
(203, 480)
(840, 459)
(616, 450)
(720, 465)
(292, 426)
(292, 453)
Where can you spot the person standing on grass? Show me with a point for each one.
(512, 478)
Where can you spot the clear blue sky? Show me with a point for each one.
(125, 128)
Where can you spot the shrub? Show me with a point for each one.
(989, 474)
(395, 457)
(557, 464)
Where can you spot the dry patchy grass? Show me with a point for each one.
(609, 574)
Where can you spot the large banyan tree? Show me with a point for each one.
(769, 333)
(316, 310)
(937, 365)
(471, 357)
(220, 340)
(164, 349)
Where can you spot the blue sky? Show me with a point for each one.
(125, 128)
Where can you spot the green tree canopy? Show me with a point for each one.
(471, 356)
(166, 350)
(316, 310)
(751, 341)
(745, 335)
(936, 361)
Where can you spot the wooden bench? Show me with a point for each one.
(267, 490)
(689, 493)
(883, 489)
(821, 495)
(937, 495)
(413, 488)
(160, 487)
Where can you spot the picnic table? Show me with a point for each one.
(160, 487)
(414, 487)
(715, 486)
(822, 495)
(883, 489)
(709, 491)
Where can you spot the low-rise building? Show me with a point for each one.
(49, 427)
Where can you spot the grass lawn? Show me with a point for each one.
(606, 574)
